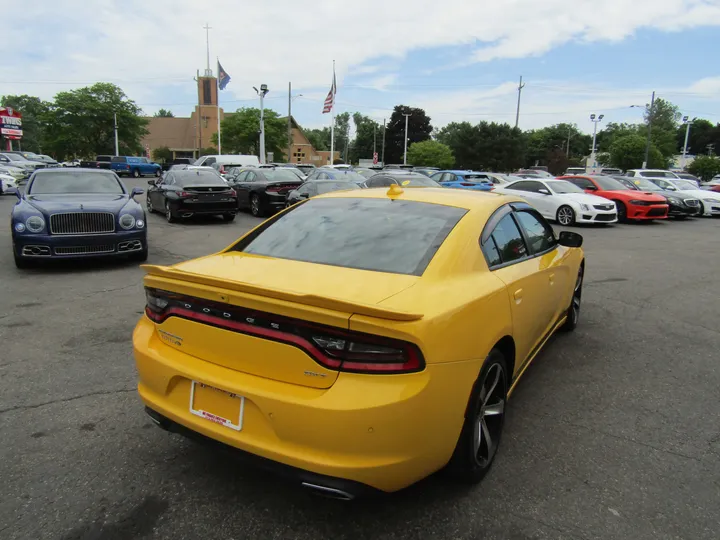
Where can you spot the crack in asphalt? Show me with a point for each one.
(65, 400)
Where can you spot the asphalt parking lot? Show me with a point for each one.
(614, 431)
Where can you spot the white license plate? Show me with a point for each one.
(217, 405)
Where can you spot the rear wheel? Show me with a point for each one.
(622, 211)
(157, 173)
(169, 216)
(573, 312)
(565, 216)
(255, 206)
(148, 205)
(484, 420)
(136, 173)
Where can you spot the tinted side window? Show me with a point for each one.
(508, 240)
(526, 186)
(583, 183)
(118, 159)
(250, 177)
(209, 161)
(491, 252)
(539, 234)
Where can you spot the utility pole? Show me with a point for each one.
(567, 153)
(688, 123)
(406, 115)
(647, 143)
(374, 137)
(117, 151)
(289, 153)
(262, 92)
(198, 117)
(592, 153)
(383, 148)
(517, 113)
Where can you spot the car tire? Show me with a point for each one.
(701, 211)
(256, 208)
(157, 173)
(169, 216)
(228, 218)
(149, 205)
(621, 212)
(573, 312)
(484, 420)
(136, 173)
(565, 216)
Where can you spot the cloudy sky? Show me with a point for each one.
(457, 59)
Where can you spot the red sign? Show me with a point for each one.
(375, 158)
(10, 123)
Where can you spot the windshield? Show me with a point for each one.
(684, 184)
(657, 174)
(365, 173)
(644, 185)
(382, 235)
(609, 184)
(562, 186)
(15, 157)
(327, 187)
(75, 182)
(416, 181)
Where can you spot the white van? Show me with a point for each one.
(229, 160)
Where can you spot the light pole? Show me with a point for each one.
(291, 98)
(595, 121)
(406, 115)
(117, 151)
(688, 123)
(262, 92)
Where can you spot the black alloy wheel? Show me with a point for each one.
(573, 312)
(565, 216)
(621, 211)
(148, 204)
(255, 207)
(701, 210)
(484, 421)
(168, 213)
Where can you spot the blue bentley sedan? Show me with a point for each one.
(73, 213)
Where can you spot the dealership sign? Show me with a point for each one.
(10, 123)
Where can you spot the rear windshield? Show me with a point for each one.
(383, 235)
(416, 181)
(347, 176)
(74, 182)
(327, 187)
(280, 175)
(198, 178)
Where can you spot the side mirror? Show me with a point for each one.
(570, 239)
(544, 191)
(150, 183)
(136, 191)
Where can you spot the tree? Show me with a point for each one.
(162, 153)
(419, 129)
(705, 167)
(164, 113)
(319, 138)
(33, 111)
(486, 146)
(342, 135)
(209, 151)
(613, 131)
(702, 133)
(628, 152)
(549, 146)
(241, 132)
(431, 154)
(366, 132)
(665, 117)
(80, 123)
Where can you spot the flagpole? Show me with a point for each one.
(332, 122)
(217, 86)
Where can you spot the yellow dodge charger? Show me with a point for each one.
(359, 341)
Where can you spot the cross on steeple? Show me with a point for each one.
(207, 27)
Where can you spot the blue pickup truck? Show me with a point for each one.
(135, 166)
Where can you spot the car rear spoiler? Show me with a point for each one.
(155, 271)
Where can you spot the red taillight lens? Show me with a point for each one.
(185, 194)
(274, 189)
(127, 166)
(333, 348)
(222, 169)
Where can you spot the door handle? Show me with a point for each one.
(517, 295)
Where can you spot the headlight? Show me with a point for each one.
(35, 224)
(19, 227)
(642, 203)
(673, 200)
(139, 223)
(127, 222)
(585, 207)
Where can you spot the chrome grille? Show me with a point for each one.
(82, 223)
(81, 250)
(692, 202)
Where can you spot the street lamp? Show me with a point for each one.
(688, 123)
(595, 121)
(262, 92)
(406, 115)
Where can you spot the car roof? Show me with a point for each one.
(483, 201)
(70, 170)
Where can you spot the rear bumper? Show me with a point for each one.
(44, 246)
(385, 432)
(204, 208)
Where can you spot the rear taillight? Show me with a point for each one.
(222, 169)
(274, 189)
(331, 347)
(185, 194)
(127, 166)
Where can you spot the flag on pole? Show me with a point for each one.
(330, 99)
(223, 77)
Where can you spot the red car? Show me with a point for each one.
(631, 204)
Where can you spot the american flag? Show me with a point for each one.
(330, 99)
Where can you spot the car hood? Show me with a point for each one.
(90, 202)
(698, 194)
(583, 198)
